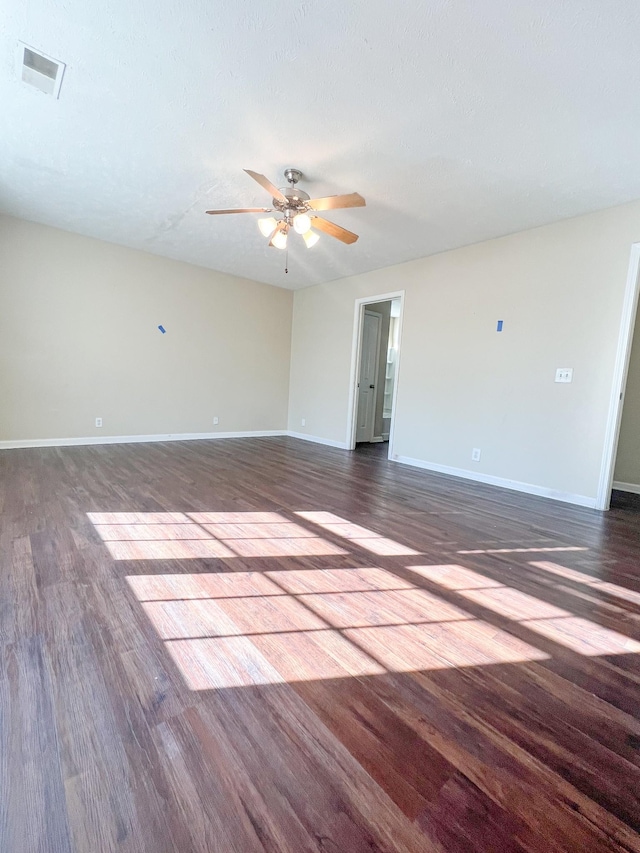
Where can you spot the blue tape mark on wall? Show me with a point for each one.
(163, 330)
(499, 329)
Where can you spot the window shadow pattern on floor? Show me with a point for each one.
(247, 628)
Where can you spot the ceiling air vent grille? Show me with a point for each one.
(39, 70)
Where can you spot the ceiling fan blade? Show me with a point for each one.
(243, 210)
(333, 230)
(279, 227)
(266, 184)
(333, 202)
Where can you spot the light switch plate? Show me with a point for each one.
(564, 374)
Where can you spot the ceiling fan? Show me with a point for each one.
(298, 212)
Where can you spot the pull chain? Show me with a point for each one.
(286, 260)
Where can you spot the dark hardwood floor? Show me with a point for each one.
(268, 645)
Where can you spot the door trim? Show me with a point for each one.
(356, 342)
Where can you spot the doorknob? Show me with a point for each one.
(372, 386)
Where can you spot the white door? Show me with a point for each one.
(367, 382)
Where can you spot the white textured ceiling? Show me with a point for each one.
(458, 121)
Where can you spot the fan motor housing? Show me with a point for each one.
(296, 200)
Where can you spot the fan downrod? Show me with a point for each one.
(293, 175)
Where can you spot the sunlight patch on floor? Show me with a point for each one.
(203, 585)
(338, 580)
(584, 636)
(206, 535)
(563, 627)
(191, 549)
(207, 664)
(361, 536)
(455, 577)
(245, 628)
(595, 584)
(237, 629)
(522, 550)
(514, 604)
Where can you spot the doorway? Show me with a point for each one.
(624, 368)
(377, 331)
(626, 477)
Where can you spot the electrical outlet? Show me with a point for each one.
(564, 374)
(475, 454)
(216, 421)
(303, 422)
(98, 422)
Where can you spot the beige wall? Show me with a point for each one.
(559, 290)
(79, 340)
(627, 468)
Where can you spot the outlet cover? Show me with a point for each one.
(564, 374)
(475, 454)
(216, 421)
(303, 421)
(98, 422)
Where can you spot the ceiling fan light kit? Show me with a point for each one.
(279, 239)
(310, 238)
(298, 212)
(302, 223)
(267, 225)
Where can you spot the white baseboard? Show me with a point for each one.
(489, 479)
(626, 487)
(135, 439)
(317, 439)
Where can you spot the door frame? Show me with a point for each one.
(356, 345)
(619, 383)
